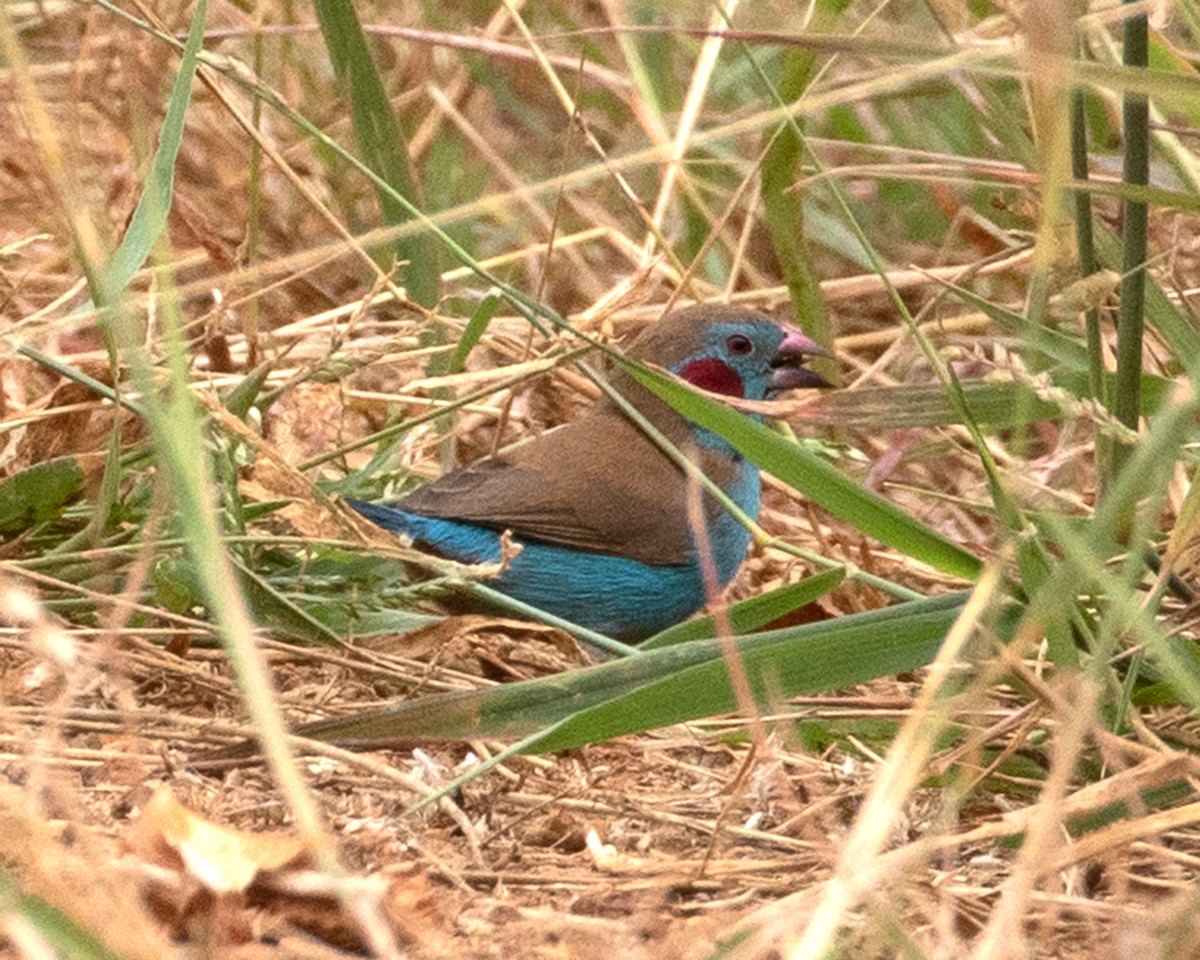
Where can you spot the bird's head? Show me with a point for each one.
(731, 350)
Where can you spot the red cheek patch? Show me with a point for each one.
(713, 375)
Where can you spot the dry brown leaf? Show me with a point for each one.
(222, 859)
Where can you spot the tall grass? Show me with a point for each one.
(446, 221)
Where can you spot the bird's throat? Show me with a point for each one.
(713, 375)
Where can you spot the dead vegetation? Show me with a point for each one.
(1020, 816)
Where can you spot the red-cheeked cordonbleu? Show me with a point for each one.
(599, 510)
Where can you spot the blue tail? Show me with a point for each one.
(452, 539)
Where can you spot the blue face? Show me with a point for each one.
(735, 359)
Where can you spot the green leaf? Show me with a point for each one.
(1162, 314)
(682, 682)
(783, 204)
(751, 614)
(241, 398)
(275, 611)
(379, 138)
(1068, 358)
(784, 663)
(39, 493)
(813, 477)
(349, 621)
(476, 328)
(997, 405)
(176, 586)
(150, 215)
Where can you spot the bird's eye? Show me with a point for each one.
(738, 345)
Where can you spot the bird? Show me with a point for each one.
(599, 509)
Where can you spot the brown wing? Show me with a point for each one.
(597, 484)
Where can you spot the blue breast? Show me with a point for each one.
(729, 540)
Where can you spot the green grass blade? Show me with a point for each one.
(783, 206)
(810, 657)
(154, 204)
(1085, 244)
(379, 138)
(994, 405)
(65, 935)
(750, 615)
(814, 478)
(1161, 313)
(1127, 405)
(804, 660)
(476, 327)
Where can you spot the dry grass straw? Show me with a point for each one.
(665, 844)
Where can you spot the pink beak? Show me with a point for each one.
(787, 372)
